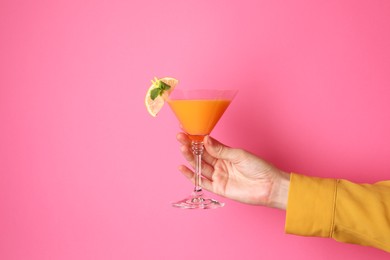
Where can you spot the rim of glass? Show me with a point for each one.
(203, 93)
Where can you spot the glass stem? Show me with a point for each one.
(197, 150)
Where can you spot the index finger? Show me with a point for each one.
(183, 138)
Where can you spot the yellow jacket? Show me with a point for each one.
(345, 211)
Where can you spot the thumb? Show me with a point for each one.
(219, 150)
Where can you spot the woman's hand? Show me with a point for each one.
(237, 174)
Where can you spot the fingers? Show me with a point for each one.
(219, 150)
(206, 168)
(183, 139)
(188, 173)
(186, 141)
(185, 148)
(187, 153)
(208, 161)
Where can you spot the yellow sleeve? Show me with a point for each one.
(345, 211)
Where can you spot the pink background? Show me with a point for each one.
(86, 173)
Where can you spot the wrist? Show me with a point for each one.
(279, 193)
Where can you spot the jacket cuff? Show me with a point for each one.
(310, 206)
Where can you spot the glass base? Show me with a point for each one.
(198, 201)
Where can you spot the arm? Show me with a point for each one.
(339, 209)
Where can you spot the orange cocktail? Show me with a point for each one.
(198, 111)
(198, 116)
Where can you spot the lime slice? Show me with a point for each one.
(158, 93)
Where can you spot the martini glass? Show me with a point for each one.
(198, 111)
